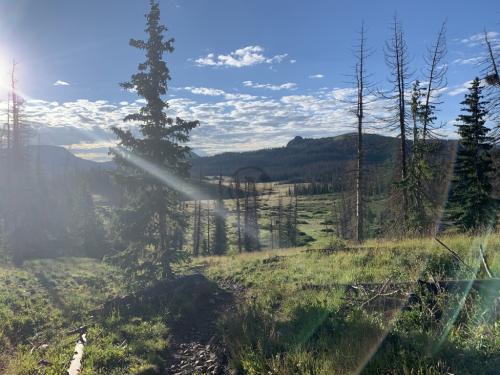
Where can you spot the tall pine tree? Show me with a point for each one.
(153, 215)
(471, 205)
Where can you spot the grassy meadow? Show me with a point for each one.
(328, 307)
(42, 301)
(317, 214)
(295, 315)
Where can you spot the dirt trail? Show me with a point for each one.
(195, 305)
(197, 347)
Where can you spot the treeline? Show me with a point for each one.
(411, 102)
(380, 177)
(210, 220)
(303, 160)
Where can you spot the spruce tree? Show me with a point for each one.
(151, 220)
(419, 171)
(471, 205)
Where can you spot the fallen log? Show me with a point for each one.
(455, 255)
(492, 284)
(75, 366)
(81, 330)
(483, 260)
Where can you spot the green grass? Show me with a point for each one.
(313, 212)
(283, 326)
(292, 316)
(44, 299)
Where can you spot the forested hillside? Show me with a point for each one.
(305, 160)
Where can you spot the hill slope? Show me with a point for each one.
(57, 159)
(306, 159)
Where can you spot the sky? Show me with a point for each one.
(254, 73)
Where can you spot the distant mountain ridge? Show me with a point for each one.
(307, 158)
(302, 159)
(57, 159)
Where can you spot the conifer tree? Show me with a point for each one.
(152, 217)
(471, 205)
(424, 105)
(418, 168)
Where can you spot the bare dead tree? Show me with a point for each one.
(271, 228)
(280, 221)
(238, 213)
(295, 213)
(492, 77)
(396, 57)
(17, 133)
(435, 78)
(209, 244)
(197, 228)
(6, 133)
(362, 85)
(251, 226)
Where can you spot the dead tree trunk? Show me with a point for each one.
(360, 83)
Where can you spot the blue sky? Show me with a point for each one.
(255, 73)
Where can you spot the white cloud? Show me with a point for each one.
(317, 76)
(60, 83)
(247, 56)
(470, 61)
(229, 121)
(269, 86)
(205, 91)
(459, 89)
(478, 39)
(293, 61)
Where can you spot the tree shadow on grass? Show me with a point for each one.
(188, 307)
(318, 340)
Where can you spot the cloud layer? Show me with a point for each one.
(230, 121)
(243, 57)
(283, 86)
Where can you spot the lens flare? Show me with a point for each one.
(162, 174)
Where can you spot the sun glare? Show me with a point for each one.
(4, 72)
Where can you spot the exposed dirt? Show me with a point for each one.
(196, 346)
(195, 305)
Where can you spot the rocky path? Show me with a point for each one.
(197, 347)
(196, 358)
